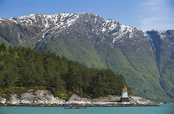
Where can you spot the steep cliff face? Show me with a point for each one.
(17, 34)
(163, 44)
(145, 59)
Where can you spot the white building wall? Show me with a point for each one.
(124, 93)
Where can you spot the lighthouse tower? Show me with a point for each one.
(124, 95)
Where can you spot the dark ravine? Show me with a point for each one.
(45, 98)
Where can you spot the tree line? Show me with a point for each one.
(25, 67)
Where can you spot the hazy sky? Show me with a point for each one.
(142, 14)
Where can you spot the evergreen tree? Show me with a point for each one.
(2, 47)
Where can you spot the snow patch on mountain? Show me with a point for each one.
(25, 20)
(126, 28)
(117, 30)
(109, 25)
(162, 34)
(151, 41)
(48, 23)
(123, 31)
(1, 19)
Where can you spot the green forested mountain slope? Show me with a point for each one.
(164, 51)
(75, 50)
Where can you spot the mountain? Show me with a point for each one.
(5, 42)
(144, 58)
(163, 48)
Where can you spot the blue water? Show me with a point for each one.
(161, 109)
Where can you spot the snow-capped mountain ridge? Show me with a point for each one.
(105, 29)
(57, 22)
(46, 21)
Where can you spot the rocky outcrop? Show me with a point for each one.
(141, 101)
(35, 98)
(106, 101)
(27, 98)
(14, 100)
(45, 98)
(109, 101)
(2, 101)
(76, 100)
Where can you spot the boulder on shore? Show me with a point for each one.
(141, 101)
(2, 101)
(14, 100)
(76, 100)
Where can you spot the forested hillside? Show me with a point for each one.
(26, 68)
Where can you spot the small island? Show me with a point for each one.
(45, 98)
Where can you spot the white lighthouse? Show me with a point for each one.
(124, 95)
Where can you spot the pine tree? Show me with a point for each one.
(2, 47)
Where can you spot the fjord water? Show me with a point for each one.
(161, 109)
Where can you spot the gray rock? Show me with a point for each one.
(106, 101)
(46, 98)
(27, 98)
(54, 100)
(42, 92)
(2, 101)
(14, 100)
(141, 101)
(76, 100)
(41, 97)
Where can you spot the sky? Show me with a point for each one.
(142, 14)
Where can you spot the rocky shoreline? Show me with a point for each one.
(45, 98)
